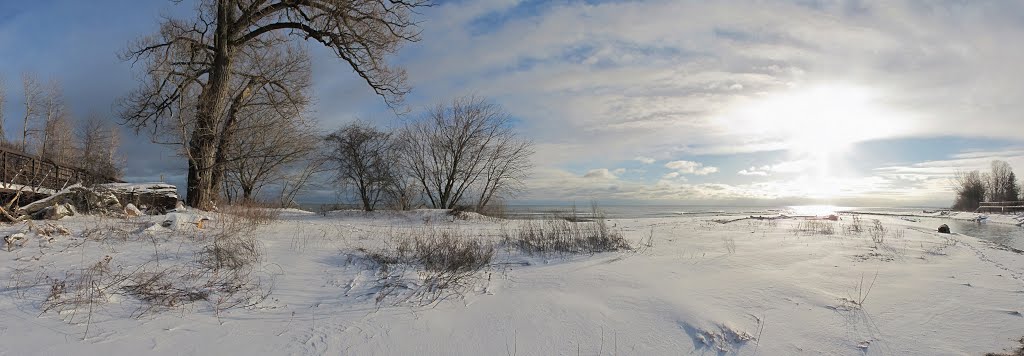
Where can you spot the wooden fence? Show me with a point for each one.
(21, 170)
(1001, 207)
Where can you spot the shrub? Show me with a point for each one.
(254, 213)
(815, 227)
(877, 232)
(445, 262)
(565, 237)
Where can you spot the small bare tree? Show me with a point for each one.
(56, 134)
(296, 178)
(465, 146)
(361, 155)
(262, 152)
(3, 100)
(98, 142)
(32, 98)
(970, 190)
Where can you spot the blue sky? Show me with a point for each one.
(669, 102)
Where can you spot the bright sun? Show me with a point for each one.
(817, 121)
(818, 125)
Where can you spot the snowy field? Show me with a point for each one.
(687, 285)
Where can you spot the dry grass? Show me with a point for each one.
(565, 236)
(815, 227)
(445, 261)
(224, 272)
(254, 213)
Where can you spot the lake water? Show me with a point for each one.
(662, 211)
(1003, 234)
(1007, 235)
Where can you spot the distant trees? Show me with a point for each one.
(98, 143)
(198, 61)
(974, 187)
(1002, 183)
(970, 190)
(51, 132)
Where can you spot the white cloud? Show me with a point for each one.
(690, 167)
(645, 160)
(600, 173)
(753, 171)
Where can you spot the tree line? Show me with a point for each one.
(50, 130)
(974, 187)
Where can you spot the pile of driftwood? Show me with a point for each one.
(117, 199)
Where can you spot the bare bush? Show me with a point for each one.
(877, 232)
(253, 213)
(225, 272)
(565, 237)
(815, 227)
(162, 290)
(445, 261)
(856, 226)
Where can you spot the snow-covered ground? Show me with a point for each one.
(771, 287)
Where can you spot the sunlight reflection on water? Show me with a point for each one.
(815, 210)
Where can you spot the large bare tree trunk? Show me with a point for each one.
(203, 146)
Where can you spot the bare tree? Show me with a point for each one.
(32, 97)
(98, 142)
(970, 190)
(403, 192)
(296, 179)
(361, 155)
(467, 145)
(198, 57)
(1001, 183)
(266, 131)
(56, 134)
(3, 100)
(262, 152)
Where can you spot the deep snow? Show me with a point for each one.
(746, 287)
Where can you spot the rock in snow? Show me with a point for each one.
(161, 197)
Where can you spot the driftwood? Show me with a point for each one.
(104, 199)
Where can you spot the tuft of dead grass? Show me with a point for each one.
(815, 227)
(446, 263)
(254, 213)
(564, 236)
